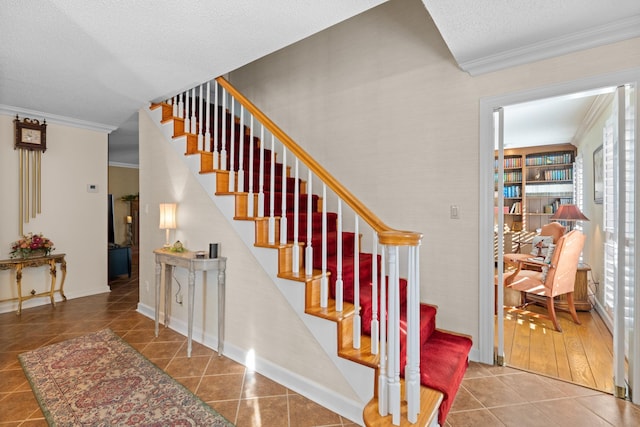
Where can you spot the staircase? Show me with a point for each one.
(373, 297)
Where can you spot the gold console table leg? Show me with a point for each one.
(52, 272)
(19, 283)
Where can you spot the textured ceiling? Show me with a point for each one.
(557, 120)
(99, 61)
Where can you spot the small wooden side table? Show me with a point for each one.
(581, 289)
(18, 264)
(168, 260)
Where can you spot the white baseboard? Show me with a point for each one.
(8, 306)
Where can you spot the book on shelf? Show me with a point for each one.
(549, 159)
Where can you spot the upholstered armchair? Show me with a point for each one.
(556, 278)
(549, 234)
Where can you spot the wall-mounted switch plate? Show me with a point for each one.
(454, 212)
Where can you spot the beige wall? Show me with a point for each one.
(122, 181)
(380, 102)
(73, 218)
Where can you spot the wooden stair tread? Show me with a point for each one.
(361, 355)
(330, 312)
(300, 276)
(268, 246)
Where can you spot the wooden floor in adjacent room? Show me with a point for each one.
(581, 354)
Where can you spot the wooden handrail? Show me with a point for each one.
(386, 234)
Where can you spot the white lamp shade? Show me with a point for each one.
(167, 216)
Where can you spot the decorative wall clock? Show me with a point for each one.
(30, 134)
(31, 142)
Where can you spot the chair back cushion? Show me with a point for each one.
(553, 229)
(561, 276)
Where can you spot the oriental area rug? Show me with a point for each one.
(99, 380)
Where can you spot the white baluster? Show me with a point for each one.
(393, 373)
(223, 141)
(207, 134)
(194, 124)
(200, 122)
(187, 120)
(383, 380)
(357, 321)
(339, 282)
(272, 194)
(309, 249)
(250, 201)
(261, 175)
(200, 132)
(324, 282)
(232, 155)
(241, 154)
(216, 136)
(375, 325)
(180, 106)
(296, 222)
(174, 112)
(412, 369)
(283, 215)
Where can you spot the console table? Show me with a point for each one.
(187, 260)
(18, 264)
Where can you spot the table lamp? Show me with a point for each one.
(568, 214)
(167, 219)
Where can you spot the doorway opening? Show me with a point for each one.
(544, 146)
(584, 196)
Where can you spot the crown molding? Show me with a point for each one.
(599, 105)
(618, 31)
(53, 118)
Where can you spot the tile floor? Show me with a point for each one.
(499, 396)
(489, 396)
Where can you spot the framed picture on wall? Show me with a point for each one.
(598, 176)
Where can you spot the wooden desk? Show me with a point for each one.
(188, 261)
(18, 264)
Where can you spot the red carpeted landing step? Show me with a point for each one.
(443, 355)
(443, 362)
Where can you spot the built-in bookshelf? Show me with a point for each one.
(513, 189)
(536, 181)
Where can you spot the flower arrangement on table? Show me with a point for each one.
(31, 245)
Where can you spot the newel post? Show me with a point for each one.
(389, 391)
